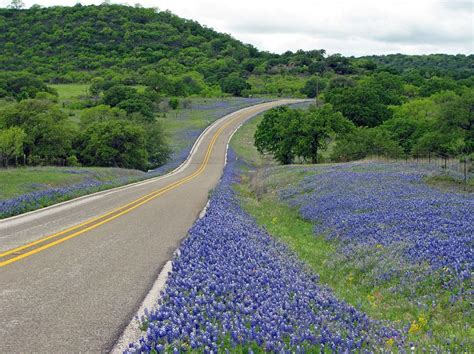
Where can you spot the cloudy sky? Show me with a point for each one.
(340, 26)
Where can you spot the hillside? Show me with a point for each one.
(135, 64)
(76, 44)
(456, 66)
(86, 39)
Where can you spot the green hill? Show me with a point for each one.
(76, 44)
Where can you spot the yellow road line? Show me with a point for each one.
(127, 208)
(46, 238)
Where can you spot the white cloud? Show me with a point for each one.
(346, 26)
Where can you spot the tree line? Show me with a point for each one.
(117, 128)
(379, 114)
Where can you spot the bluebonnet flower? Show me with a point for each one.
(233, 285)
(367, 207)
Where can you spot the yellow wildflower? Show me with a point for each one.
(414, 328)
(422, 321)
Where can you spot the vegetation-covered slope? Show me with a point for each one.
(70, 44)
(456, 66)
(58, 41)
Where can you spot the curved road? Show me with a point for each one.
(72, 276)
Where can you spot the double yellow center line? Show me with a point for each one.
(18, 253)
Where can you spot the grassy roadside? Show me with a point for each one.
(29, 188)
(18, 181)
(182, 127)
(258, 190)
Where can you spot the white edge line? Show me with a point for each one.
(149, 180)
(132, 333)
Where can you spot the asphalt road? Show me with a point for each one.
(88, 264)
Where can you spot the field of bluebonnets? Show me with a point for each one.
(406, 244)
(183, 128)
(389, 207)
(233, 287)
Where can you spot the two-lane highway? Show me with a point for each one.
(72, 276)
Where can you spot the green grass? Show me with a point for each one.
(449, 183)
(18, 181)
(174, 127)
(70, 91)
(351, 281)
(243, 144)
(15, 182)
(176, 122)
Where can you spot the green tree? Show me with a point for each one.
(290, 133)
(48, 132)
(340, 82)
(412, 120)
(23, 86)
(118, 93)
(437, 84)
(318, 126)
(363, 142)
(313, 87)
(99, 85)
(174, 103)
(100, 113)
(457, 116)
(128, 99)
(138, 104)
(189, 84)
(160, 83)
(114, 143)
(340, 64)
(366, 104)
(11, 144)
(317, 67)
(361, 104)
(389, 87)
(156, 145)
(451, 133)
(234, 85)
(277, 134)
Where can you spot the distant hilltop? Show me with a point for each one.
(75, 44)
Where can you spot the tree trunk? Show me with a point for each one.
(314, 158)
(314, 149)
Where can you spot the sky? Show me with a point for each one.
(349, 27)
